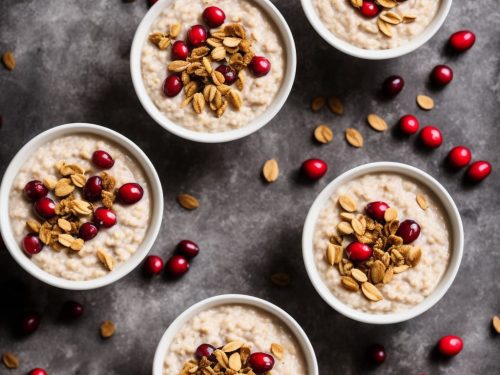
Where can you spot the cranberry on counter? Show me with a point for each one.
(214, 16)
(93, 189)
(30, 323)
(45, 208)
(261, 362)
(408, 230)
(153, 265)
(104, 217)
(442, 75)
(450, 345)
(73, 309)
(431, 136)
(32, 244)
(177, 266)
(229, 74)
(197, 35)
(38, 371)
(102, 159)
(393, 85)
(172, 85)
(314, 169)
(130, 193)
(369, 9)
(34, 190)
(88, 231)
(462, 40)
(188, 248)
(358, 252)
(204, 350)
(479, 170)
(376, 353)
(260, 66)
(180, 50)
(459, 157)
(408, 124)
(376, 210)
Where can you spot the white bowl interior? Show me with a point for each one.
(457, 240)
(12, 172)
(352, 50)
(227, 299)
(260, 121)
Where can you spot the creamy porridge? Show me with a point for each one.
(416, 267)
(349, 24)
(253, 95)
(221, 325)
(65, 253)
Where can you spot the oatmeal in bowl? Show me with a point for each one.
(378, 29)
(213, 71)
(234, 334)
(383, 242)
(81, 206)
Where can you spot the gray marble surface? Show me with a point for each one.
(73, 65)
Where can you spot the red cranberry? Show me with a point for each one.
(102, 159)
(369, 9)
(35, 190)
(45, 208)
(172, 85)
(38, 371)
(93, 188)
(30, 323)
(204, 350)
(431, 136)
(358, 252)
(180, 50)
(376, 210)
(188, 248)
(197, 35)
(462, 40)
(376, 353)
(459, 156)
(393, 85)
(214, 16)
(177, 266)
(130, 193)
(260, 66)
(479, 170)
(314, 169)
(408, 230)
(73, 309)
(450, 345)
(88, 231)
(104, 217)
(32, 244)
(153, 265)
(261, 362)
(442, 75)
(409, 124)
(229, 74)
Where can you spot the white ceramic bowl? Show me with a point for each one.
(457, 242)
(12, 171)
(352, 50)
(226, 299)
(135, 66)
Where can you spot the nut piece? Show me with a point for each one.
(235, 362)
(188, 201)
(270, 170)
(323, 134)
(175, 29)
(354, 137)
(9, 60)
(344, 227)
(391, 17)
(422, 201)
(349, 283)
(496, 324)
(359, 275)
(425, 102)
(377, 123)
(280, 279)
(107, 329)
(318, 103)
(335, 105)
(105, 259)
(10, 360)
(390, 214)
(277, 350)
(347, 203)
(371, 292)
(334, 254)
(178, 66)
(387, 3)
(232, 346)
(33, 225)
(384, 28)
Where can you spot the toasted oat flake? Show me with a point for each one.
(357, 3)
(354, 137)
(335, 105)
(64, 224)
(347, 203)
(391, 17)
(359, 275)
(323, 134)
(496, 324)
(332, 254)
(78, 179)
(198, 102)
(422, 201)
(64, 187)
(277, 350)
(280, 279)
(384, 27)
(349, 283)
(105, 259)
(318, 103)
(235, 99)
(9, 60)
(107, 329)
(10, 360)
(407, 17)
(377, 272)
(390, 214)
(50, 183)
(425, 102)
(371, 292)
(175, 29)
(178, 66)
(33, 225)
(358, 226)
(188, 202)
(345, 228)
(232, 346)
(401, 269)
(235, 362)
(270, 170)
(387, 3)
(377, 122)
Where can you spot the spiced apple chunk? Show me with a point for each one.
(234, 339)
(212, 66)
(382, 243)
(80, 207)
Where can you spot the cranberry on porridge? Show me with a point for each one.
(80, 207)
(212, 66)
(382, 243)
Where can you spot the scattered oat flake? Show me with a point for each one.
(10, 360)
(496, 323)
(422, 201)
(377, 123)
(188, 202)
(280, 279)
(323, 134)
(354, 137)
(9, 60)
(425, 102)
(270, 170)
(277, 350)
(335, 105)
(347, 203)
(318, 103)
(107, 329)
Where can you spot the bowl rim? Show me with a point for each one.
(456, 230)
(230, 299)
(204, 137)
(12, 171)
(384, 54)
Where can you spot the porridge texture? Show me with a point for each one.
(347, 23)
(223, 324)
(257, 93)
(119, 242)
(406, 289)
